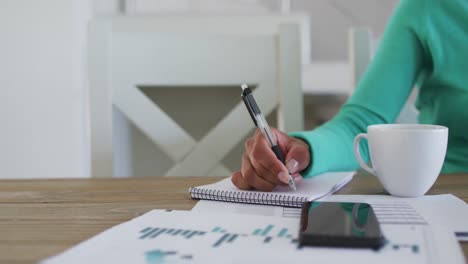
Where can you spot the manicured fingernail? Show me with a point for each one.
(292, 165)
(298, 179)
(283, 176)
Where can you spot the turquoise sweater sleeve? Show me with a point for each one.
(379, 96)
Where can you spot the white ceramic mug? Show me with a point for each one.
(406, 158)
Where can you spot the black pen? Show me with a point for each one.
(260, 122)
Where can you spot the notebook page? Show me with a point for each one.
(311, 188)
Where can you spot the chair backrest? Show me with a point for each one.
(361, 51)
(128, 54)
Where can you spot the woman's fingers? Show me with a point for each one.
(265, 162)
(239, 182)
(261, 169)
(250, 176)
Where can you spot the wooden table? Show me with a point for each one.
(40, 218)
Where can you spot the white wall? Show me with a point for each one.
(330, 19)
(107, 7)
(43, 84)
(42, 81)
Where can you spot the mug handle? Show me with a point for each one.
(357, 153)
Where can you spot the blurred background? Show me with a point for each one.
(141, 88)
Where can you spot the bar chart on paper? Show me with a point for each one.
(158, 256)
(265, 234)
(218, 238)
(186, 237)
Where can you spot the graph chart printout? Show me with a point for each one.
(187, 237)
(226, 237)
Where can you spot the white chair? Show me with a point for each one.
(128, 53)
(361, 51)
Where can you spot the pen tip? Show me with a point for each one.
(244, 86)
(292, 184)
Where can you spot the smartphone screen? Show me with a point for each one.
(334, 224)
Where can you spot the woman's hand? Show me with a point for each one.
(260, 168)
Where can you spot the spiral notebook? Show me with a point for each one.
(308, 190)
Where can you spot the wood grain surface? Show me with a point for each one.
(41, 218)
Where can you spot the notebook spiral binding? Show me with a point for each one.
(263, 198)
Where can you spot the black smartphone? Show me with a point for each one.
(334, 224)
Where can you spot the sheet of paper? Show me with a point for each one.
(246, 209)
(192, 237)
(445, 209)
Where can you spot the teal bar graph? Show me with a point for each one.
(158, 256)
(176, 232)
(267, 230)
(257, 232)
(264, 232)
(192, 234)
(153, 233)
(155, 256)
(146, 230)
(221, 240)
(232, 238)
(413, 248)
(149, 232)
(283, 232)
(161, 231)
(223, 237)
